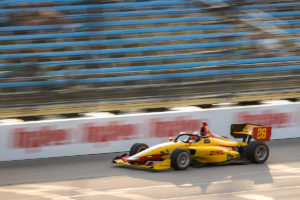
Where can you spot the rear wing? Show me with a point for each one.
(258, 132)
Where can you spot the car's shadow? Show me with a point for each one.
(100, 166)
(205, 176)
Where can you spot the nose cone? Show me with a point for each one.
(160, 149)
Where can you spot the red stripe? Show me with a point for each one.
(226, 147)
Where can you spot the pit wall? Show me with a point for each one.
(68, 137)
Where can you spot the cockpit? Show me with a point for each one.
(188, 137)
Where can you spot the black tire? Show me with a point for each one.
(257, 152)
(180, 159)
(137, 147)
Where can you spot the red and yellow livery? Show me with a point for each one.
(196, 149)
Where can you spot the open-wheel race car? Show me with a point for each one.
(197, 149)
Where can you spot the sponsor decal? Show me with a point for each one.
(167, 128)
(113, 131)
(216, 152)
(206, 141)
(88, 133)
(38, 137)
(297, 117)
(266, 117)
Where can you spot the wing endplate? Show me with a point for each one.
(258, 132)
(262, 133)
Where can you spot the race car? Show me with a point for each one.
(193, 148)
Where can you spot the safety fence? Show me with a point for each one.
(115, 133)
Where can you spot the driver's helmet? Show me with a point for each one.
(196, 133)
(195, 136)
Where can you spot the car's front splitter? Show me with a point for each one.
(157, 165)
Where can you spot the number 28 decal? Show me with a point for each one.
(262, 133)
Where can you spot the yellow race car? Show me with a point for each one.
(193, 148)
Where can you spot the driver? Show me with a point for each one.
(205, 132)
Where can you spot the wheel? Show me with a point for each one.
(257, 152)
(137, 147)
(180, 159)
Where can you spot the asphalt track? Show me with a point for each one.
(94, 177)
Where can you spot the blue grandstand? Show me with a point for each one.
(143, 54)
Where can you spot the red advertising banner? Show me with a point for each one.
(68, 137)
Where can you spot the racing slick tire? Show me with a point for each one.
(137, 147)
(180, 159)
(257, 152)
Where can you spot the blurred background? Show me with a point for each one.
(64, 57)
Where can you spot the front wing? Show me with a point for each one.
(157, 165)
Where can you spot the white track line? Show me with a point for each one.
(255, 197)
(225, 193)
(46, 190)
(123, 190)
(36, 193)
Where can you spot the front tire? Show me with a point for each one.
(180, 159)
(257, 152)
(137, 147)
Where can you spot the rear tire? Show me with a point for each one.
(137, 147)
(257, 152)
(180, 159)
